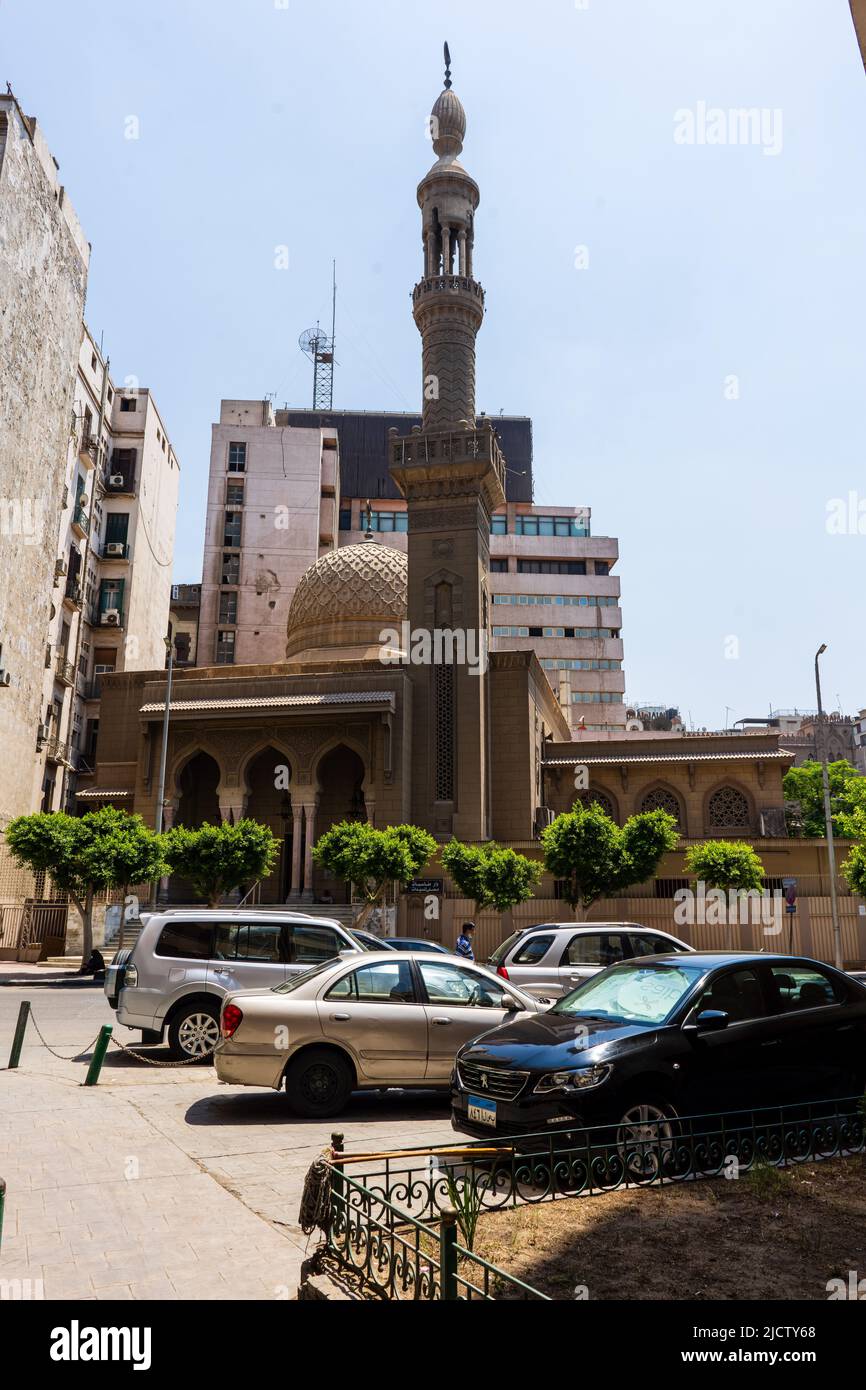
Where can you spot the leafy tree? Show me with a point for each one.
(593, 856)
(369, 859)
(86, 854)
(847, 795)
(491, 875)
(216, 859)
(854, 869)
(726, 864)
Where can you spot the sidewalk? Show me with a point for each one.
(160, 1183)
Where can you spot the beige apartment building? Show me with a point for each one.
(277, 501)
(114, 566)
(273, 497)
(44, 259)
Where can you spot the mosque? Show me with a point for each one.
(464, 741)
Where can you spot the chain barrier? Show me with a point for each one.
(153, 1062)
(79, 1055)
(99, 1045)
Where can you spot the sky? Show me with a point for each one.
(677, 301)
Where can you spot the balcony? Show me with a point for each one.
(118, 482)
(80, 521)
(115, 550)
(449, 285)
(64, 670)
(72, 596)
(88, 450)
(56, 750)
(107, 617)
(437, 455)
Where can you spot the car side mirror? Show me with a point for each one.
(710, 1021)
(350, 952)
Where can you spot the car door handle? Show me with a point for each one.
(221, 972)
(340, 1018)
(441, 1021)
(772, 1042)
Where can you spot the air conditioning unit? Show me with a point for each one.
(116, 480)
(111, 617)
(115, 548)
(5, 678)
(60, 569)
(43, 733)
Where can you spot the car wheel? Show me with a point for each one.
(646, 1138)
(318, 1083)
(194, 1032)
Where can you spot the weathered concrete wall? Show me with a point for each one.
(43, 278)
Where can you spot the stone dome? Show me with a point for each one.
(448, 123)
(347, 597)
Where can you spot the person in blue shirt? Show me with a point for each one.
(464, 941)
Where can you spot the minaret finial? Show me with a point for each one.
(447, 68)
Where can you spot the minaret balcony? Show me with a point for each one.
(472, 455)
(433, 285)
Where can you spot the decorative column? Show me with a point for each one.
(310, 808)
(461, 241)
(446, 250)
(297, 836)
(233, 804)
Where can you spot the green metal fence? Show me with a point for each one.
(393, 1221)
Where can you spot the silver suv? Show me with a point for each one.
(184, 964)
(554, 957)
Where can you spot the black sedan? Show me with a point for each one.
(649, 1040)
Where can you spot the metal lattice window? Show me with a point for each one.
(601, 799)
(662, 800)
(728, 807)
(444, 690)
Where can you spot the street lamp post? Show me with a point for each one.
(828, 815)
(163, 756)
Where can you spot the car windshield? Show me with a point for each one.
(632, 993)
(497, 956)
(295, 980)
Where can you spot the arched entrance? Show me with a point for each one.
(269, 802)
(197, 785)
(340, 777)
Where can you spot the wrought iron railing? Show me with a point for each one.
(391, 1222)
(404, 1258)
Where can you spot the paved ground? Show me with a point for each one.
(159, 1183)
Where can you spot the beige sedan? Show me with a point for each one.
(388, 1018)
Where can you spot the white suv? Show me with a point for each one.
(185, 962)
(555, 957)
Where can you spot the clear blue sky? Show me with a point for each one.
(303, 125)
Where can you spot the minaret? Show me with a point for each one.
(452, 474)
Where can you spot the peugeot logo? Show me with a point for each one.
(484, 1080)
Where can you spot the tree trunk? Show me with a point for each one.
(86, 910)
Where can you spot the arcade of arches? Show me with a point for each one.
(295, 814)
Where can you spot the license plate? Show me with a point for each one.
(482, 1111)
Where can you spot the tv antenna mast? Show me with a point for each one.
(316, 344)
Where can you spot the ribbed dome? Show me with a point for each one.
(347, 596)
(448, 123)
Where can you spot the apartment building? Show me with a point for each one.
(273, 496)
(112, 578)
(44, 258)
(183, 620)
(285, 486)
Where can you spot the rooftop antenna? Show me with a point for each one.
(319, 347)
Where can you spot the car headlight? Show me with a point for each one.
(581, 1079)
